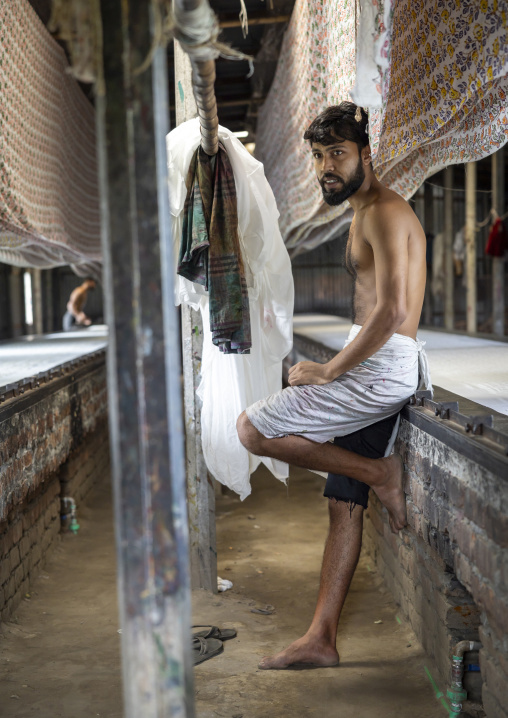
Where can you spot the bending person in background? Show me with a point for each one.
(353, 400)
(75, 316)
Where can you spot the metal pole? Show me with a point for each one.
(449, 278)
(498, 263)
(200, 492)
(143, 372)
(470, 239)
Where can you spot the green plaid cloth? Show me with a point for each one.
(210, 251)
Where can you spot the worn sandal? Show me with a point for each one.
(223, 634)
(205, 648)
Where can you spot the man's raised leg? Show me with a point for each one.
(384, 475)
(342, 551)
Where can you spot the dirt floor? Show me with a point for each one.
(59, 656)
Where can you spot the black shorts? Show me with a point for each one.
(370, 442)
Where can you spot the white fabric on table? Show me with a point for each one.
(230, 382)
(374, 390)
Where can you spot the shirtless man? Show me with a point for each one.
(75, 314)
(355, 397)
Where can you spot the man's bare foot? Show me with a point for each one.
(303, 652)
(391, 492)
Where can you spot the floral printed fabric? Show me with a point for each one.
(49, 204)
(443, 98)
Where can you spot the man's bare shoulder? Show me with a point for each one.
(77, 292)
(389, 212)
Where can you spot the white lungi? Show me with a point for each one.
(375, 389)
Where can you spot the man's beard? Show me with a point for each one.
(354, 183)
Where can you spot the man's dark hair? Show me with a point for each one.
(338, 122)
(90, 279)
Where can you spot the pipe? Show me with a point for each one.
(456, 692)
(73, 526)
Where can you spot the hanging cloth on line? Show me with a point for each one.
(497, 242)
(210, 250)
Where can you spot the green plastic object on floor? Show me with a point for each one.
(74, 526)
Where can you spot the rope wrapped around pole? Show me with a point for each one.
(196, 28)
(203, 80)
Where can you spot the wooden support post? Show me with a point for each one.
(16, 301)
(37, 301)
(428, 225)
(48, 301)
(470, 239)
(144, 368)
(498, 263)
(200, 490)
(449, 278)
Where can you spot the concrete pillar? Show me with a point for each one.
(498, 263)
(470, 240)
(144, 366)
(449, 277)
(200, 490)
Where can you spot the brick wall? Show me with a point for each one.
(449, 570)
(85, 464)
(53, 443)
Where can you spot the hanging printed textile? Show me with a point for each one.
(49, 204)
(438, 96)
(316, 68)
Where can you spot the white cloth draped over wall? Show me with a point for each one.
(229, 383)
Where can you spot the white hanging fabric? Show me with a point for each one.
(372, 52)
(231, 382)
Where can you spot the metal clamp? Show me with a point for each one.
(477, 424)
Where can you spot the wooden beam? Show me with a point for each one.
(234, 103)
(255, 20)
(470, 239)
(239, 102)
(498, 263)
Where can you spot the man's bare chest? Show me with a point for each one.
(359, 255)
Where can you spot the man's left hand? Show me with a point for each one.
(308, 372)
